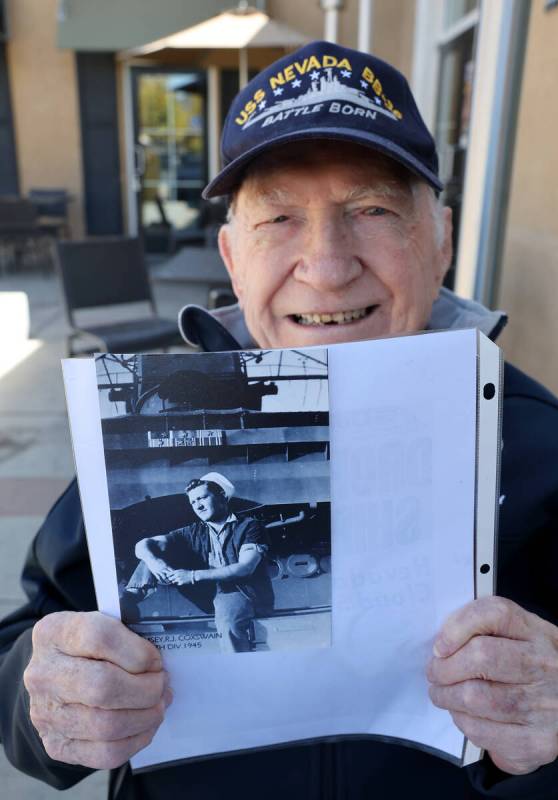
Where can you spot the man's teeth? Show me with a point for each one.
(338, 318)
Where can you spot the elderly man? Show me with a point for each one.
(335, 233)
(225, 550)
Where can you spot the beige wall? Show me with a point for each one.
(393, 31)
(529, 281)
(45, 103)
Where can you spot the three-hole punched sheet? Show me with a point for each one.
(359, 483)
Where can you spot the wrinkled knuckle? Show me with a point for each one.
(98, 639)
(479, 656)
(150, 657)
(110, 756)
(52, 748)
(83, 631)
(518, 701)
(107, 727)
(548, 665)
(57, 748)
(45, 630)
(39, 716)
(529, 663)
(504, 610)
(463, 722)
(433, 670)
(99, 689)
(470, 696)
(32, 678)
(154, 688)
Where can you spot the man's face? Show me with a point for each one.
(334, 245)
(207, 506)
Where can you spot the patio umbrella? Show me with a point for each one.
(238, 29)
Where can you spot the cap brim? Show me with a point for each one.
(230, 177)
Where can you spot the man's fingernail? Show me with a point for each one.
(169, 696)
(166, 681)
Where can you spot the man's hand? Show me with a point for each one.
(97, 691)
(159, 569)
(496, 671)
(181, 577)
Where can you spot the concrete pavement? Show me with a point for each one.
(36, 458)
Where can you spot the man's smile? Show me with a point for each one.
(333, 317)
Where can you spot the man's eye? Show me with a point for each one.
(279, 219)
(375, 211)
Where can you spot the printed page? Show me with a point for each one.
(402, 441)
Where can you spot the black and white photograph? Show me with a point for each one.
(219, 488)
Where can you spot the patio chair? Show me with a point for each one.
(19, 231)
(51, 206)
(104, 272)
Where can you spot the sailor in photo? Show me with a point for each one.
(231, 552)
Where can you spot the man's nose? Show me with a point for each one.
(327, 261)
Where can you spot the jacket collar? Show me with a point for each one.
(449, 312)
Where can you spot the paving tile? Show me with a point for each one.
(21, 497)
(35, 385)
(16, 534)
(16, 786)
(35, 445)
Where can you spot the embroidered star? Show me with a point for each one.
(278, 91)
(345, 73)
(314, 75)
(377, 101)
(296, 83)
(363, 84)
(262, 105)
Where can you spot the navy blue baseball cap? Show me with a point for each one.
(324, 91)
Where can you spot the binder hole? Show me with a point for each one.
(489, 391)
(485, 568)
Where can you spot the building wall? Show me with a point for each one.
(393, 29)
(45, 104)
(529, 278)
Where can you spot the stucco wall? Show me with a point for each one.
(529, 280)
(45, 103)
(393, 29)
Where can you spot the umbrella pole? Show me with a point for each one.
(242, 67)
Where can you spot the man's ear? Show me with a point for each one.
(446, 246)
(226, 249)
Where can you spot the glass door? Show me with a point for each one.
(170, 154)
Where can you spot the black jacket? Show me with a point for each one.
(57, 577)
